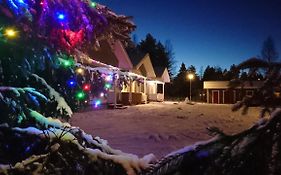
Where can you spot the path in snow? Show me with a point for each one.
(160, 128)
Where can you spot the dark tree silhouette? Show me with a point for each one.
(212, 74)
(268, 51)
(160, 55)
(179, 87)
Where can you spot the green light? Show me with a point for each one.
(93, 4)
(80, 95)
(67, 63)
(107, 86)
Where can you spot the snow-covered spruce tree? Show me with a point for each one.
(56, 33)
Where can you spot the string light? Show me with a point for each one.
(97, 103)
(71, 83)
(80, 95)
(93, 4)
(67, 63)
(80, 70)
(108, 78)
(107, 86)
(10, 33)
(102, 94)
(61, 16)
(86, 87)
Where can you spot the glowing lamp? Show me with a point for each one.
(190, 76)
(80, 95)
(86, 87)
(10, 33)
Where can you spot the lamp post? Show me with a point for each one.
(190, 76)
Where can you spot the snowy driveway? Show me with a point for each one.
(160, 128)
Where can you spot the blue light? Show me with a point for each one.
(97, 103)
(61, 16)
(71, 83)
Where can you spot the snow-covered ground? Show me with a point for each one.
(161, 128)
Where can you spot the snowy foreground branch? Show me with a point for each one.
(58, 142)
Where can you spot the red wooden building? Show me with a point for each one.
(218, 92)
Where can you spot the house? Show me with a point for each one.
(156, 87)
(109, 59)
(156, 76)
(142, 70)
(218, 92)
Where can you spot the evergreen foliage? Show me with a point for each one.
(268, 51)
(160, 55)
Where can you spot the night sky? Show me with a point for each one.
(206, 32)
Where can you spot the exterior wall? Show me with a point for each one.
(146, 63)
(138, 93)
(152, 94)
(227, 96)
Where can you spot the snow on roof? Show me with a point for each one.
(225, 85)
(124, 61)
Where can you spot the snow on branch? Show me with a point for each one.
(53, 93)
(130, 163)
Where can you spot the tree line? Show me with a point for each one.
(162, 55)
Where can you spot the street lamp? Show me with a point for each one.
(190, 76)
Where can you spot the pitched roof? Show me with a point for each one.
(135, 55)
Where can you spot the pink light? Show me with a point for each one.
(108, 78)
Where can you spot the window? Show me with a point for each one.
(249, 93)
(159, 88)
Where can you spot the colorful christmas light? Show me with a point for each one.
(93, 4)
(102, 94)
(86, 87)
(107, 86)
(80, 95)
(108, 78)
(80, 70)
(60, 16)
(10, 33)
(67, 63)
(97, 103)
(71, 83)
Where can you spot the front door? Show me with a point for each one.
(215, 97)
